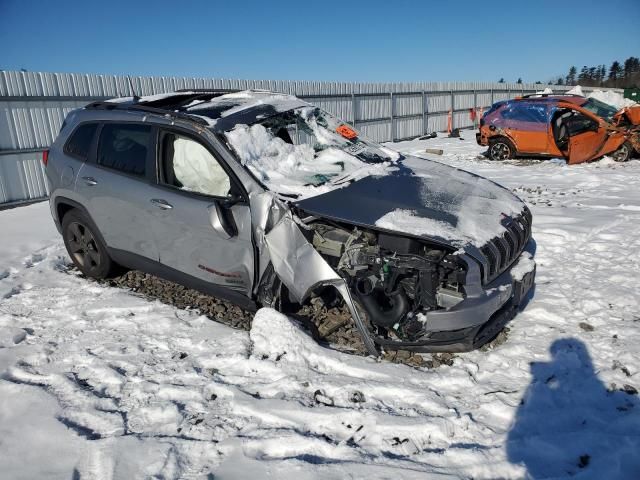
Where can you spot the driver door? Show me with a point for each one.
(201, 224)
(586, 138)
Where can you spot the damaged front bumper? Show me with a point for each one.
(480, 316)
(463, 327)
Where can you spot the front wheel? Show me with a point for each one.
(623, 153)
(501, 149)
(85, 247)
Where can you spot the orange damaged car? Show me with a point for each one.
(573, 127)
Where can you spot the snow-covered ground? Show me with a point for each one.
(99, 383)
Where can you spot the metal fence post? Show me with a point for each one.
(353, 108)
(453, 117)
(391, 109)
(491, 96)
(475, 106)
(424, 113)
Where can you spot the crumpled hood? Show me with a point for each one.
(423, 198)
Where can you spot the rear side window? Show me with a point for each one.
(80, 141)
(124, 147)
(526, 112)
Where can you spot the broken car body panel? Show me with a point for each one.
(573, 127)
(420, 252)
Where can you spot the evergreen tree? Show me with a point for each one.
(559, 81)
(602, 74)
(519, 80)
(615, 72)
(584, 73)
(632, 72)
(628, 67)
(619, 74)
(501, 80)
(571, 78)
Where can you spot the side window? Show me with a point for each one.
(189, 166)
(526, 112)
(79, 143)
(124, 147)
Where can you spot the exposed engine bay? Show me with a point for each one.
(396, 280)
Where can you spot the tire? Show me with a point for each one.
(85, 246)
(501, 149)
(623, 153)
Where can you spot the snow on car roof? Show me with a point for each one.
(247, 107)
(222, 111)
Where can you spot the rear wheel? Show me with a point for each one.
(84, 246)
(501, 149)
(623, 153)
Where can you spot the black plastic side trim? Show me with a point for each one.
(77, 206)
(138, 262)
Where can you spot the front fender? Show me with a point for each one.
(302, 269)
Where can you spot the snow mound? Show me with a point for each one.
(612, 98)
(278, 338)
(274, 336)
(10, 336)
(577, 90)
(609, 97)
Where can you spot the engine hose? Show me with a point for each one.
(379, 316)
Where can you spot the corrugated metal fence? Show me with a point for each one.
(34, 105)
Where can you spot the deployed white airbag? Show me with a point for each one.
(197, 170)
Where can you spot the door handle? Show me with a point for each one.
(160, 203)
(90, 181)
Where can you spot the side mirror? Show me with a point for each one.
(222, 221)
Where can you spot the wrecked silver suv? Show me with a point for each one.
(263, 199)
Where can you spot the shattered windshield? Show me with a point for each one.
(600, 109)
(306, 151)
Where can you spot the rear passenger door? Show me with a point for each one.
(115, 185)
(528, 123)
(202, 221)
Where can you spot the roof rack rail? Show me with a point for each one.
(101, 105)
(529, 95)
(221, 91)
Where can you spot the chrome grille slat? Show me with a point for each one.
(501, 245)
(520, 232)
(508, 237)
(503, 250)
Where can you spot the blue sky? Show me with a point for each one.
(333, 40)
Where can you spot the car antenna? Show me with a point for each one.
(136, 98)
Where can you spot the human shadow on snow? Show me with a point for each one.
(570, 424)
